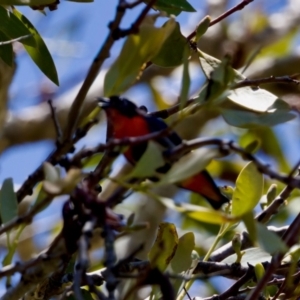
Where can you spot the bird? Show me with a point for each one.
(125, 119)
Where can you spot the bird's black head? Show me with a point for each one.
(122, 105)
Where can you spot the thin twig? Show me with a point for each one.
(229, 12)
(55, 122)
(230, 146)
(26, 218)
(134, 4)
(119, 33)
(259, 81)
(24, 37)
(165, 113)
(102, 55)
(53, 158)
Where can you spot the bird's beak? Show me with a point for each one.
(103, 102)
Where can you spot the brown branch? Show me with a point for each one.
(259, 81)
(114, 34)
(290, 238)
(165, 113)
(26, 218)
(102, 55)
(229, 146)
(53, 158)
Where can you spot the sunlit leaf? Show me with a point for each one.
(269, 241)
(190, 164)
(248, 119)
(257, 100)
(198, 213)
(251, 256)
(8, 201)
(39, 53)
(248, 190)
(164, 247)
(137, 50)
(6, 51)
(182, 259)
(13, 28)
(246, 106)
(149, 162)
(250, 223)
(209, 64)
(171, 53)
(174, 7)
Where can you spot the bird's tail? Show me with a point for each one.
(203, 184)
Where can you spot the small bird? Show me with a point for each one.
(125, 119)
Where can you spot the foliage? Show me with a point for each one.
(141, 248)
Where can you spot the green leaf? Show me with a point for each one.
(171, 53)
(174, 7)
(246, 98)
(248, 190)
(209, 64)
(250, 224)
(137, 50)
(251, 256)
(8, 201)
(190, 164)
(149, 162)
(186, 80)
(39, 53)
(6, 51)
(248, 119)
(164, 247)
(269, 241)
(198, 213)
(257, 100)
(14, 28)
(183, 256)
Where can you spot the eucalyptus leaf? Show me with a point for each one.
(164, 247)
(14, 28)
(8, 201)
(248, 119)
(151, 160)
(6, 51)
(39, 52)
(251, 256)
(183, 256)
(190, 164)
(198, 213)
(171, 53)
(252, 100)
(248, 190)
(137, 50)
(270, 241)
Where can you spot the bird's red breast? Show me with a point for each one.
(125, 127)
